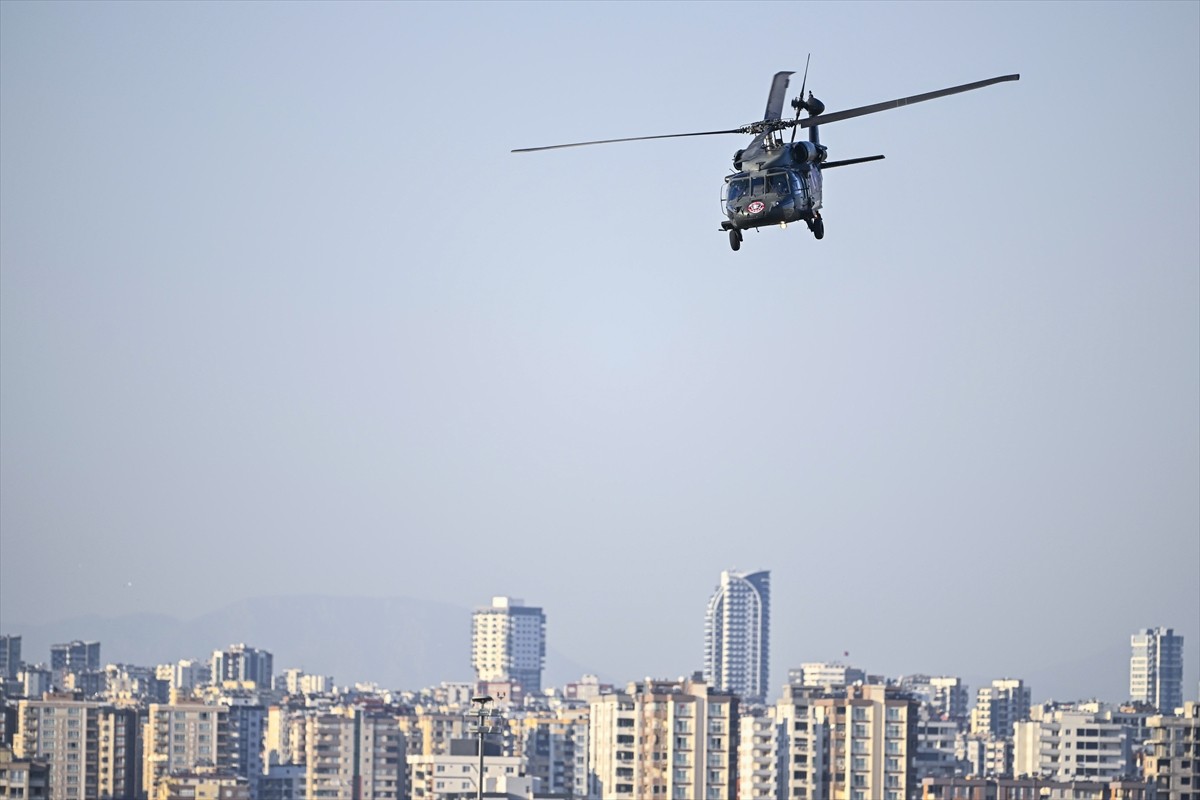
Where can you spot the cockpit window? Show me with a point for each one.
(738, 189)
(756, 185)
(777, 183)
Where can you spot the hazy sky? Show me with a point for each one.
(282, 314)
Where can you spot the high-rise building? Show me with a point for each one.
(354, 753)
(999, 706)
(737, 635)
(673, 740)
(802, 765)
(181, 736)
(853, 743)
(90, 747)
(508, 643)
(243, 664)
(1156, 669)
(10, 657)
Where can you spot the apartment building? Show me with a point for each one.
(10, 657)
(944, 696)
(28, 779)
(428, 732)
(352, 753)
(553, 749)
(850, 743)
(90, 747)
(1067, 744)
(802, 762)
(1000, 705)
(454, 775)
(759, 747)
(825, 675)
(664, 740)
(243, 664)
(1173, 762)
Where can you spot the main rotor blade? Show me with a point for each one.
(777, 95)
(837, 116)
(627, 139)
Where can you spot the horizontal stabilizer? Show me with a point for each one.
(848, 161)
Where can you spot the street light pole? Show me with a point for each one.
(481, 728)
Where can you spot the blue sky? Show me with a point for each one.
(278, 303)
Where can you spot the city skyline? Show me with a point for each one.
(281, 315)
(142, 732)
(243, 661)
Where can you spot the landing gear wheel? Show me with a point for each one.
(735, 239)
(818, 228)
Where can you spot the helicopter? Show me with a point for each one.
(776, 182)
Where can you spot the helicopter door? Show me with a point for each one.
(800, 191)
(813, 178)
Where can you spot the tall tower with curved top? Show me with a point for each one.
(737, 635)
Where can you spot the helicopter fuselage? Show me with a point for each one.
(776, 183)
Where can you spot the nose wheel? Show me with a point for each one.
(735, 239)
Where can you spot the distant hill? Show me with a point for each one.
(397, 642)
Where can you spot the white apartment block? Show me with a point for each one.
(1068, 744)
(825, 675)
(937, 741)
(1156, 669)
(508, 643)
(299, 682)
(663, 740)
(454, 776)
